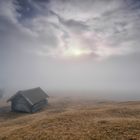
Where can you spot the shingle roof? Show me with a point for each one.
(32, 95)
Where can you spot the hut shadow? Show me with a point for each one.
(6, 113)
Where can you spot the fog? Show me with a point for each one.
(38, 49)
(114, 78)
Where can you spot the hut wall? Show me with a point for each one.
(19, 103)
(39, 105)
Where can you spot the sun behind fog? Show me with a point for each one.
(76, 52)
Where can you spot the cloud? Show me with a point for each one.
(51, 28)
(41, 41)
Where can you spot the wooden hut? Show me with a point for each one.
(30, 100)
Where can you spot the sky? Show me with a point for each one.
(75, 45)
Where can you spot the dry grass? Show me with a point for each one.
(73, 119)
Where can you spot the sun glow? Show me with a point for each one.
(76, 52)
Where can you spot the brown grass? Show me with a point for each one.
(74, 119)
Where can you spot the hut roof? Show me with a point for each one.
(33, 95)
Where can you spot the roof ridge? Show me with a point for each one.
(30, 89)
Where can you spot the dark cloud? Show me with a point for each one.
(25, 9)
(133, 4)
(30, 8)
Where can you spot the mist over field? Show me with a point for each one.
(75, 47)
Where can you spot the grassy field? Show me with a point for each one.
(73, 119)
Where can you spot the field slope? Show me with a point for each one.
(74, 119)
